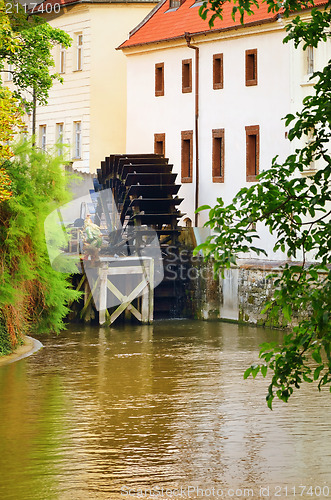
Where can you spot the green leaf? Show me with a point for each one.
(317, 357)
(203, 207)
(264, 370)
(287, 312)
(269, 400)
(317, 371)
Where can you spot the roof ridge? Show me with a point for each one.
(147, 18)
(163, 24)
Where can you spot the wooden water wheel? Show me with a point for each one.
(145, 193)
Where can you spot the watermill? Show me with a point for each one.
(142, 200)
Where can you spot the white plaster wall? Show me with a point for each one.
(232, 108)
(96, 96)
(70, 101)
(111, 24)
(302, 86)
(236, 106)
(169, 114)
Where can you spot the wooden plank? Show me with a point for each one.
(144, 304)
(89, 298)
(116, 271)
(146, 169)
(102, 299)
(128, 300)
(135, 312)
(150, 179)
(151, 292)
(147, 190)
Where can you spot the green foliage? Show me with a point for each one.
(5, 343)
(296, 209)
(213, 9)
(33, 297)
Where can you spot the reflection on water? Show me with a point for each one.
(100, 411)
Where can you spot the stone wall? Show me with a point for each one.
(239, 296)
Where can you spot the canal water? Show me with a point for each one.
(157, 411)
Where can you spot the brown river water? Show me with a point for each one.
(157, 411)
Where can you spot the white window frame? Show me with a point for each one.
(42, 136)
(77, 140)
(311, 168)
(9, 74)
(59, 137)
(310, 59)
(63, 54)
(79, 51)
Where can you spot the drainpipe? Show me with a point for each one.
(188, 41)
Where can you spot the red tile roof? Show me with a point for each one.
(163, 25)
(63, 3)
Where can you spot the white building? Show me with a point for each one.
(213, 99)
(88, 111)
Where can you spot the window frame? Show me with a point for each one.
(218, 84)
(63, 58)
(250, 81)
(79, 51)
(159, 138)
(9, 76)
(159, 91)
(77, 144)
(43, 136)
(218, 156)
(60, 136)
(187, 88)
(187, 173)
(177, 3)
(310, 60)
(252, 130)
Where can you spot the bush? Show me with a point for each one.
(33, 297)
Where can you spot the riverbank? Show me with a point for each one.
(29, 346)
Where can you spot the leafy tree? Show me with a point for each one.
(10, 112)
(296, 209)
(32, 59)
(33, 296)
(10, 119)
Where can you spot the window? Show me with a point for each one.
(187, 155)
(79, 47)
(62, 59)
(42, 137)
(159, 79)
(218, 155)
(310, 59)
(159, 144)
(78, 139)
(187, 75)
(252, 152)
(310, 139)
(174, 4)
(59, 137)
(251, 67)
(9, 73)
(217, 71)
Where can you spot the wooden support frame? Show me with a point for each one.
(143, 266)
